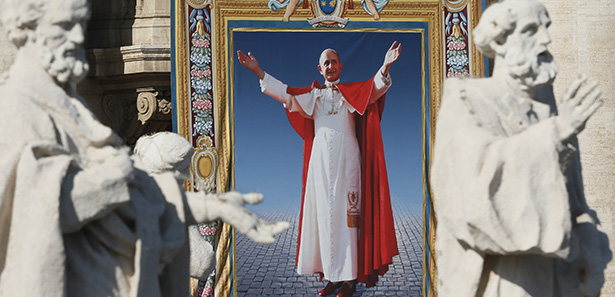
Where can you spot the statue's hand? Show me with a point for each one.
(115, 163)
(579, 103)
(230, 208)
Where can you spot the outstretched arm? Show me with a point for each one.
(382, 81)
(269, 85)
(230, 208)
(391, 56)
(251, 63)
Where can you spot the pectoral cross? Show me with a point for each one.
(333, 110)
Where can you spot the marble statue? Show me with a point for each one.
(166, 151)
(80, 216)
(512, 218)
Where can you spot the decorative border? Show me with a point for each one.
(459, 17)
(221, 12)
(201, 86)
(457, 47)
(193, 118)
(204, 166)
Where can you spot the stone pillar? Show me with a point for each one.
(584, 43)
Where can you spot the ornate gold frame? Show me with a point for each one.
(430, 12)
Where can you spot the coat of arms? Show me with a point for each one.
(329, 13)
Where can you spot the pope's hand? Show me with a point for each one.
(247, 61)
(251, 63)
(391, 56)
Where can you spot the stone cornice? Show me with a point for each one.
(129, 60)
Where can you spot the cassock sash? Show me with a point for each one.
(377, 241)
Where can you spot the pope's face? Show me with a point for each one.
(61, 32)
(527, 45)
(330, 67)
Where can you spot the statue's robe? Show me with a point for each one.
(512, 219)
(69, 227)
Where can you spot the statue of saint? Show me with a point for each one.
(79, 216)
(512, 218)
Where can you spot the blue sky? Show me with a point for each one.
(269, 152)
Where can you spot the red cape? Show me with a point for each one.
(377, 241)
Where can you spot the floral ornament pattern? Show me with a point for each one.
(202, 109)
(205, 287)
(200, 73)
(457, 59)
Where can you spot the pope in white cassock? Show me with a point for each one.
(346, 204)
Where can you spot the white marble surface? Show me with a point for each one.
(79, 215)
(584, 42)
(509, 200)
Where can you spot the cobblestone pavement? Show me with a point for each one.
(269, 270)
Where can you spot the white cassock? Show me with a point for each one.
(332, 190)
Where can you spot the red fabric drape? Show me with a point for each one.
(377, 241)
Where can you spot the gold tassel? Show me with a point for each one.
(200, 27)
(194, 283)
(354, 221)
(456, 30)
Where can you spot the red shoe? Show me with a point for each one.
(329, 288)
(347, 289)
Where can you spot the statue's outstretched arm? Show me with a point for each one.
(230, 208)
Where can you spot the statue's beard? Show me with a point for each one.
(531, 69)
(66, 64)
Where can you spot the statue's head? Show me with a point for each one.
(515, 32)
(165, 151)
(329, 65)
(53, 30)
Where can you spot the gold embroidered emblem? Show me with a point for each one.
(353, 210)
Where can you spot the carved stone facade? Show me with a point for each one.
(129, 84)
